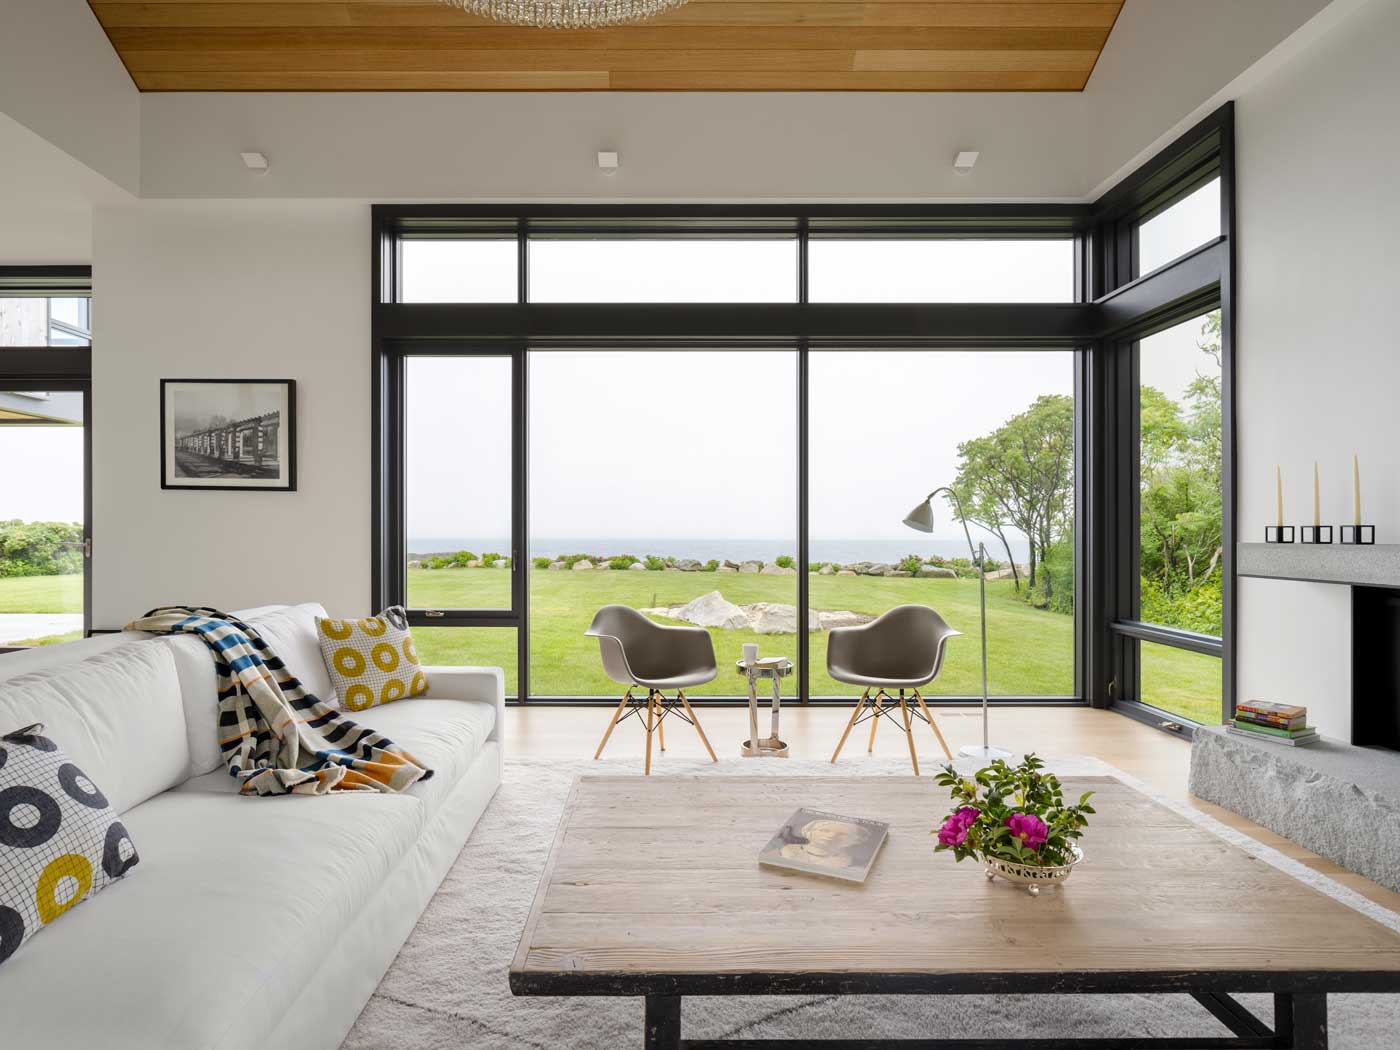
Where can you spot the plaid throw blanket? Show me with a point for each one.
(276, 738)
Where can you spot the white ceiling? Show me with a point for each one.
(1165, 61)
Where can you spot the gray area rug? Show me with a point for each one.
(448, 987)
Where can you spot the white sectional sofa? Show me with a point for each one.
(249, 922)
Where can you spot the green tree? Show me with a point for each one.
(1021, 476)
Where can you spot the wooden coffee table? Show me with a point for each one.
(653, 889)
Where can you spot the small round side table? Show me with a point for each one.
(775, 670)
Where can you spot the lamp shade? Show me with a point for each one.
(921, 517)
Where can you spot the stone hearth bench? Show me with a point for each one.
(1341, 802)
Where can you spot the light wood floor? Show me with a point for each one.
(1148, 754)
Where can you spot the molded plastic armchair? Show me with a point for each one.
(640, 654)
(901, 649)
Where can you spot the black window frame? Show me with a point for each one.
(58, 368)
(1114, 306)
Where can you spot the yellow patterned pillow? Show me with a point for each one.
(372, 660)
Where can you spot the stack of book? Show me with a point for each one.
(1281, 723)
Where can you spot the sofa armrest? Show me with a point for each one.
(485, 684)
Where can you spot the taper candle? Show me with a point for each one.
(1356, 488)
(1278, 479)
(1317, 503)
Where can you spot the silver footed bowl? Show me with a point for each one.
(1032, 876)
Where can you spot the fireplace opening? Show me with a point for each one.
(1375, 667)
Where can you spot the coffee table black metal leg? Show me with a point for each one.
(663, 1030)
(1310, 1022)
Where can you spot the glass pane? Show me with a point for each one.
(940, 271)
(469, 647)
(1173, 232)
(1179, 477)
(1181, 682)
(961, 418)
(457, 460)
(45, 322)
(684, 489)
(661, 271)
(41, 514)
(465, 271)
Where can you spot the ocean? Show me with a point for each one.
(844, 551)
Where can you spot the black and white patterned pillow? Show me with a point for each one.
(60, 842)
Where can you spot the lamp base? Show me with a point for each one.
(984, 752)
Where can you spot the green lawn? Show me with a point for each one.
(41, 594)
(1030, 651)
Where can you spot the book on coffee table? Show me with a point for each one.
(816, 842)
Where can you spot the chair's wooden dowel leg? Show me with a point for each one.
(696, 722)
(909, 732)
(660, 725)
(622, 706)
(877, 704)
(651, 710)
(860, 706)
(936, 731)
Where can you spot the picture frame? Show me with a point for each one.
(235, 435)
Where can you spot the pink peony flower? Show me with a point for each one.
(1029, 828)
(954, 829)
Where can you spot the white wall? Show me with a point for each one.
(231, 289)
(1319, 350)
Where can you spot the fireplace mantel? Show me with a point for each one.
(1377, 565)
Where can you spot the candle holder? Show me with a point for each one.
(1316, 534)
(1360, 535)
(1278, 533)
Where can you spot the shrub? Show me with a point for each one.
(40, 548)
(711, 566)
(622, 561)
(785, 561)
(460, 559)
(489, 559)
(542, 563)
(911, 563)
(1198, 609)
(655, 563)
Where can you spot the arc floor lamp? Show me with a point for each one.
(921, 518)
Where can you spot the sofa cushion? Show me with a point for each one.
(237, 905)
(291, 631)
(444, 735)
(371, 660)
(60, 842)
(118, 714)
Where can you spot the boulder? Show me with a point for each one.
(636, 566)
(689, 565)
(555, 566)
(415, 565)
(937, 572)
(826, 570)
(751, 566)
(670, 568)
(713, 610)
(776, 618)
(827, 619)
(777, 570)
(873, 568)
(901, 573)
(581, 565)
(730, 564)
(847, 572)
(726, 567)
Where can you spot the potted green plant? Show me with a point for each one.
(1015, 821)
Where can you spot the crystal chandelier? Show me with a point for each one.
(566, 14)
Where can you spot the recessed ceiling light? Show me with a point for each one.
(964, 162)
(607, 162)
(255, 162)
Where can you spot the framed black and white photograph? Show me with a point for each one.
(228, 434)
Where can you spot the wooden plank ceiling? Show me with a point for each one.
(705, 45)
